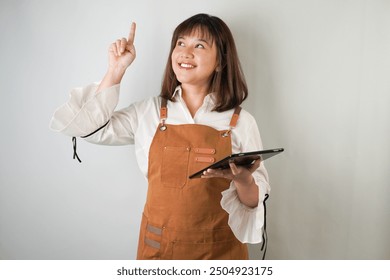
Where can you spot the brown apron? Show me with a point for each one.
(183, 218)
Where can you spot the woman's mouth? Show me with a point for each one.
(186, 65)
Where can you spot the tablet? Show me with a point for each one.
(243, 159)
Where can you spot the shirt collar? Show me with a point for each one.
(210, 98)
(177, 92)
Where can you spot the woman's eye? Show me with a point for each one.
(181, 44)
(199, 46)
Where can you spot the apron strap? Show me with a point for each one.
(236, 114)
(233, 121)
(163, 113)
(164, 110)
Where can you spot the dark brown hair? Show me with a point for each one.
(228, 80)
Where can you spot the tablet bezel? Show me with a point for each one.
(250, 156)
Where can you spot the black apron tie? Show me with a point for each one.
(74, 141)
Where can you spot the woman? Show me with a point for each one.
(195, 121)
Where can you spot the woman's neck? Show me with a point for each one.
(193, 97)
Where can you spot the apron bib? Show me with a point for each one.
(183, 218)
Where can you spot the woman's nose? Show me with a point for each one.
(186, 53)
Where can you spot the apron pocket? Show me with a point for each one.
(212, 244)
(174, 166)
(222, 250)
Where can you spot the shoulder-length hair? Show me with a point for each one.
(228, 81)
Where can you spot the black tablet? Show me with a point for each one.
(245, 159)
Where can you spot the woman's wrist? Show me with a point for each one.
(115, 75)
(111, 78)
(245, 182)
(248, 191)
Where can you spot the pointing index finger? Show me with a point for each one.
(132, 33)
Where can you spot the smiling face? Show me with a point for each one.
(194, 59)
(219, 56)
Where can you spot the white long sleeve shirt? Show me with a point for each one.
(88, 110)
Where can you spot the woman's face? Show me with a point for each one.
(194, 60)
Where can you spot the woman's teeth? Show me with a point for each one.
(185, 65)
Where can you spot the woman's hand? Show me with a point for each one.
(122, 52)
(236, 173)
(247, 190)
(120, 55)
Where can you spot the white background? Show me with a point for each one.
(318, 74)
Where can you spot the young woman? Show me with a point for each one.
(195, 121)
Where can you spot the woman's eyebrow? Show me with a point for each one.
(197, 39)
(204, 40)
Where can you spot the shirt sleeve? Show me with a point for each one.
(87, 110)
(247, 223)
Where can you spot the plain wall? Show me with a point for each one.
(318, 75)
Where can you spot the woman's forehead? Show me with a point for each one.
(199, 32)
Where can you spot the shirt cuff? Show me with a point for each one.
(86, 110)
(246, 223)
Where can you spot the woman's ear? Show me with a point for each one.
(219, 66)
